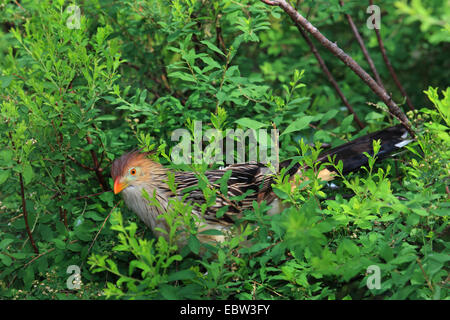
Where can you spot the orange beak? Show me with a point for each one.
(118, 186)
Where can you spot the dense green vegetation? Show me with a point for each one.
(75, 97)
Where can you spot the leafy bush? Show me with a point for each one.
(74, 99)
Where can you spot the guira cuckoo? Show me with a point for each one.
(133, 172)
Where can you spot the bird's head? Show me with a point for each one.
(134, 169)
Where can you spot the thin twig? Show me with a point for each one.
(25, 214)
(24, 203)
(98, 170)
(364, 50)
(277, 147)
(43, 254)
(390, 68)
(330, 77)
(18, 4)
(60, 140)
(330, 133)
(102, 157)
(91, 195)
(268, 287)
(297, 18)
(101, 228)
(219, 37)
(220, 40)
(425, 275)
(80, 164)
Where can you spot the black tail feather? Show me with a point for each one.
(352, 153)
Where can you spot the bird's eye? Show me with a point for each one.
(133, 171)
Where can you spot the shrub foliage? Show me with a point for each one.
(80, 84)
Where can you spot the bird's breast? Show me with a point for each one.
(134, 199)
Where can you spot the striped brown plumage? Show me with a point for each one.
(133, 172)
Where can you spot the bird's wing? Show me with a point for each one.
(256, 179)
(250, 179)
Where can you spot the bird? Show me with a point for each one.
(134, 172)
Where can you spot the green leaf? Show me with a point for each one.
(169, 292)
(107, 197)
(7, 261)
(6, 81)
(5, 242)
(212, 47)
(59, 243)
(182, 275)
(137, 264)
(194, 244)
(347, 121)
(221, 211)
(27, 173)
(280, 193)
(42, 264)
(4, 175)
(242, 196)
(94, 216)
(298, 125)
(212, 232)
(223, 182)
(350, 247)
(6, 156)
(106, 117)
(327, 116)
(76, 247)
(212, 64)
(28, 276)
(421, 212)
(250, 123)
(183, 76)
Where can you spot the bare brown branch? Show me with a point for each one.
(330, 77)
(79, 163)
(298, 19)
(25, 214)
(24, 203)
(98, 170)
(390, 68)
(364, 50)
(425, 275)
